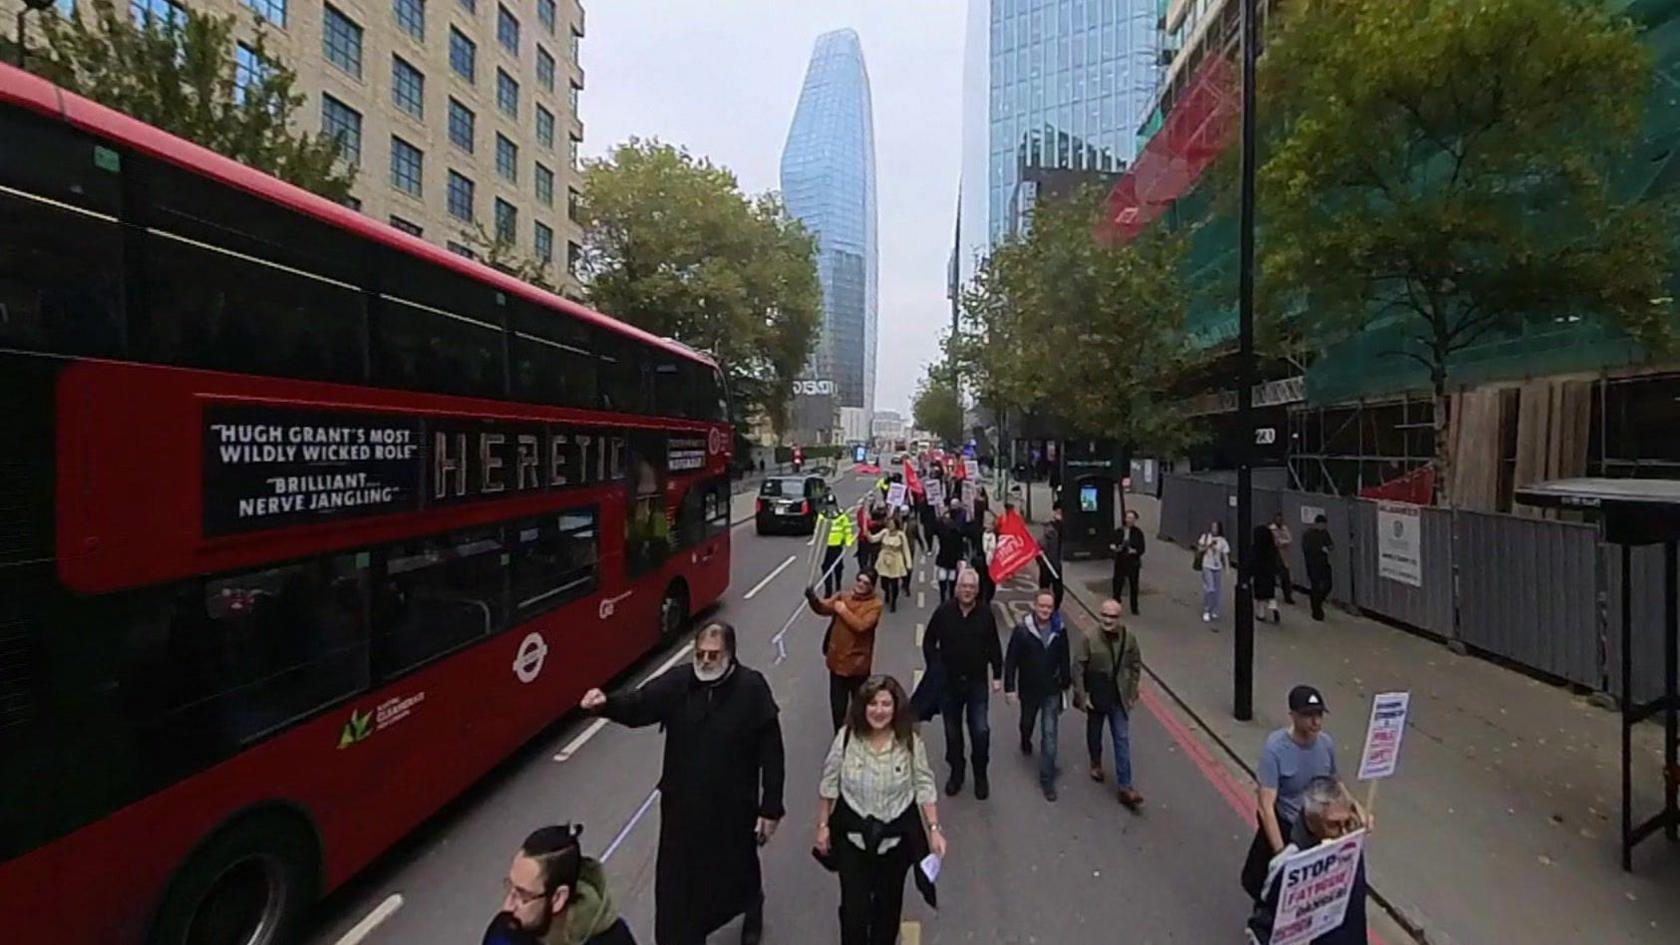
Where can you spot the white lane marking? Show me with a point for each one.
(918, 635)
(915, 679)
(595, 727)
(624, 832)
(921, 599)
(578, 742)
(372, 920)
(769, 577)
(910, 933)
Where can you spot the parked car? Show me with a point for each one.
(789, 504)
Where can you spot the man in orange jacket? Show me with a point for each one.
(850, 641)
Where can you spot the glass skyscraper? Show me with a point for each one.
(1070, 82)
(828, 181)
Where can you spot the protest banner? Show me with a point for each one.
(895, 495)
(1316, 886)
(936, 494)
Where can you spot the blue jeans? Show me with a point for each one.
(972, 697)
(1211, 578)
(1120, 729)
(1047, 710)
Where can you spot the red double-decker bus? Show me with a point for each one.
(305, 524)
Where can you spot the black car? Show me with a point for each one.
(790, 504)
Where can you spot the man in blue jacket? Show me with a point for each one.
(1037, 664)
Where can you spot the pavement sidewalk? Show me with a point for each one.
(1502, 822)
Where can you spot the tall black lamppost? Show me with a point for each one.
(1243, 677)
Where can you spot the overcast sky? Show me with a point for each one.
(722, 77)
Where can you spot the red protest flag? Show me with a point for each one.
(1016, 547)
(912, 481)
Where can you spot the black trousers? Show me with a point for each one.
(1126, 573)
(891, 585)
(871, 892)
(1286, 583)
(835, 579)
(1319, 588)
(840, 692)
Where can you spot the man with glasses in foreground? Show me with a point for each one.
(1328, 813)
(554, 895)
(720, 794)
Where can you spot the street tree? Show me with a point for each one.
(936, 407)
(177, 72)
(1442, 169)
(672, 245)
(1088, 331)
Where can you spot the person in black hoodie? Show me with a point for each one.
(953, 540)
(1039, 663)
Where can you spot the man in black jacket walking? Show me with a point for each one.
(1128, 546)
(962, 636)
(1038, 660)
(1315, 547)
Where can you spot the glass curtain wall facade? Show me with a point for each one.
(828, 181)
(1071, 81)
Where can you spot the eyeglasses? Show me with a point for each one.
(522, 896)
(1109, 617)
(709, 656)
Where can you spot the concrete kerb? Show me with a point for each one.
(1406, 922)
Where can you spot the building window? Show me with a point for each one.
(545, 69)
(406, 162)
(574, 205)
(574, 93)
(460, 250)
(545, 15)
(507, 221)
(545, 185)
(576, 145)
(471, 6)
(344, 123)
(461, 121)
(159, 13)
(507, 94)
(354, 203)
(410, 228)
(507, 30)
(507, 159)
(460, 196)
(463, 55)
(249, 70)
(545, 127)
(574, 255)
(411, 16)
(577, 46)
(341, 40)
(274, 11)
(543, 241)
(408, 88)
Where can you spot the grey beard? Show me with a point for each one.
(711, 674)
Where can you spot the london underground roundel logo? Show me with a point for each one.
(528, 662)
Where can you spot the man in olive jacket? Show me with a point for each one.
(1106, 667)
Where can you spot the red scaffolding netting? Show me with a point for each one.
(1194, 132)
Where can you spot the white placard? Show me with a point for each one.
(1382, 735)
(968, 492)
(1400, 542)
(936, 494)
(1317, 884)
(895, 495)
(971, 468)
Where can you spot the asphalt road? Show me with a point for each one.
(1020, 869)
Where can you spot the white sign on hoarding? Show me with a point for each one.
(1317, 884)
(1382, 735)
(1310, 514)
(1400, 542)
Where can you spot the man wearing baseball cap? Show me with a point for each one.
(1291, 758)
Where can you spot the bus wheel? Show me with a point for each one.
(673, 612)
(250, 885)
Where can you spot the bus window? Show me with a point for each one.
(212, 309)
(434, 595)
(647, 539)
(620, 376)
(46, 158)
(718, 500)
(51, 299)
(666, 387)
(691, 515)
(554, 560)
(552, 363)
(430, 350)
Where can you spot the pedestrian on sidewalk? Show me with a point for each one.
(1263, 576)
(893, 562)
(962, 635)
(837, 537)
(849, 643)
(1315, 547)
(949, 558)
(1213, 554)
(1283, 540)
(1107, 665)
(875, 777)
(1328, 813)
(1127, 547)
(554, 895)
(720, 794)
(1289, 760)
(1038, 663)
(1050, 547)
